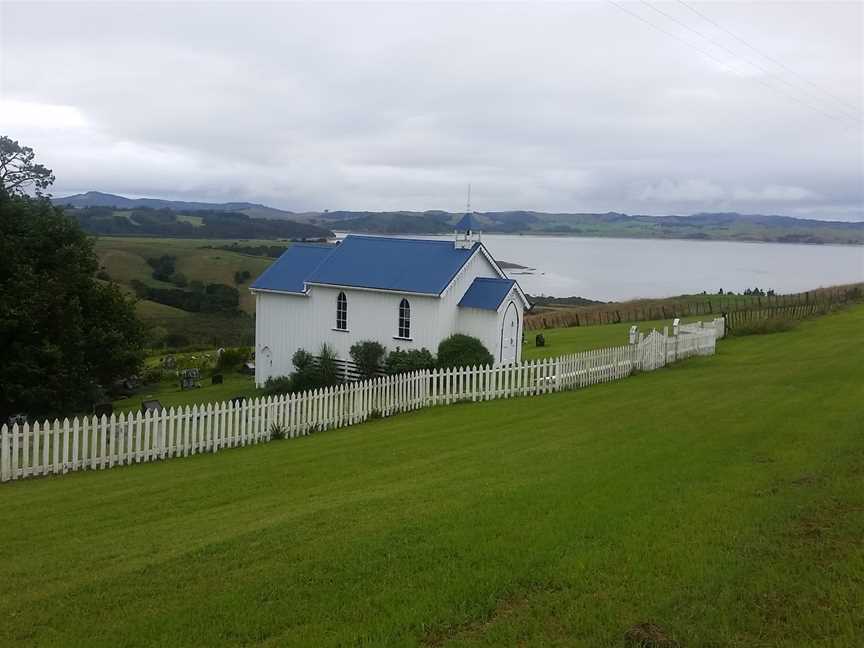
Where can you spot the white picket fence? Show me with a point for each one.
(91, 443)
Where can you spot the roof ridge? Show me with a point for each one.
(397, 239)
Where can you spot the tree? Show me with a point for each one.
(19, 172)
(367, 357)
(65, 335)
(463, 351)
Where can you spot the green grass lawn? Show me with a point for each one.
(721, 499)
(575, 339)
(168, 392)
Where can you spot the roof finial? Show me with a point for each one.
(468, 206)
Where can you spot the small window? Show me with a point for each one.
(342, 312)
(404, 319)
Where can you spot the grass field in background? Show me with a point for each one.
(125, 259)
(721, 499)
(576, 339)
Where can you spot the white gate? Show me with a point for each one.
(651, 351)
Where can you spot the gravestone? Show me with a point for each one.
(150, 406)
(189, 379)
(540, 340)
(103, 409)
(216, 379)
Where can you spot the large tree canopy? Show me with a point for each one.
(63, 334)
(19, 171)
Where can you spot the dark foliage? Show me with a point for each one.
(19, 171)
(399, 361)
(215, 224)
(212, 298)
(231, 359)
(65, 335)
(163, 267)
(272, 251)
(176, 340)
(368, 357)
(463, 351)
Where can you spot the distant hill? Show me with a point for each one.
(728, 226)
(99, 199)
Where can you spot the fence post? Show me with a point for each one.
(5, 452)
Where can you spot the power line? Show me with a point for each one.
(756, 65)
(845, 103)
(718, 61)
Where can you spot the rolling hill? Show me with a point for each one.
(729, 226)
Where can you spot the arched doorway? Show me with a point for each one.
(509, 334)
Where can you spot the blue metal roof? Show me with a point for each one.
(288, 273)
(486, 293)
(404, 265)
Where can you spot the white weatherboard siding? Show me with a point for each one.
(287, 322)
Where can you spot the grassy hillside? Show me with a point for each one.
(125, 259)
(721, 500)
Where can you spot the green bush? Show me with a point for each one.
(328, 370)
(231, 359)
(764, 326)
(367, 357)
(279, 385)
(151, 375)
(463, 351)
(311, 372)
(278, 431)
(399, 361)
(176, 340)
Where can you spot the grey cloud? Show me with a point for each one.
(555, 107)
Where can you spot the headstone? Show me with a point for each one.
(189, 379)
(216, 379)
(103, 409)
(675, 324)
(634, 333)
(238, 400)
(540, 340)
(20, 419)
(150, 406)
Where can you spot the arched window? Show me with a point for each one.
(404, 319)
(342, 312)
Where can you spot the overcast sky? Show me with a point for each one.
(550, 107)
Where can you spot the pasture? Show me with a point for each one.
(721, 500)
(125, 260)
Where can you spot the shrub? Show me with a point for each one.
(176, 340)
(278, 385)
(328, 370)
(463, 351)
(367, 356)
(399, 361)
(278, 431)
(764, 326)
(231, 359)
(151, 375)
(314, 373)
